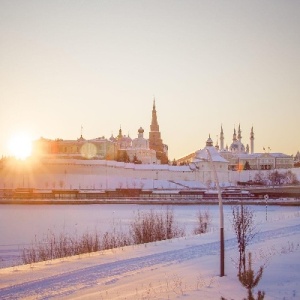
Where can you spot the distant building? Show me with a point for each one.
(155, 141)
(98, 148)
(242, 157)
(203, 163)
(138, 150)
(121, 147)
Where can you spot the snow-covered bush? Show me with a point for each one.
(154, 226)
(203, 222)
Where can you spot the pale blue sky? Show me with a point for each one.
(98, 64)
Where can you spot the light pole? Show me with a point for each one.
(222, 248)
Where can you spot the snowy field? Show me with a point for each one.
(183, 268)
(22, 225)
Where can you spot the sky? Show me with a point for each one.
(97, 65)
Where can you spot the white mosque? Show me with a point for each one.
(241, 157)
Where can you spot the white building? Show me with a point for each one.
(120, 148)
(140, 151)
(242, 157)
(205, 164)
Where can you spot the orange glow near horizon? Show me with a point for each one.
(20, 146)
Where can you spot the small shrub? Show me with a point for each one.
(203, 222)
(147, 227)
(153, 226)
(249, 280)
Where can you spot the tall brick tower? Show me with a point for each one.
(155, 141)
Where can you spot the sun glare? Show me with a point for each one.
(20, 146)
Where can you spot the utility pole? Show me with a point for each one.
(222, 248)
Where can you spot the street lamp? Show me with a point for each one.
(222, 248)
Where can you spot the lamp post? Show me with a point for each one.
(222, 248)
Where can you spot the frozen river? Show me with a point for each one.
(20, 225)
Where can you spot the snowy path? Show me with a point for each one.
(68, 282)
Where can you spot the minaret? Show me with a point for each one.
(234, 135)
(252, 141)
(217, 145)
(155, 141)
(222, 139)
(239, 134)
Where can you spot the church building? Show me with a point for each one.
(121, 147)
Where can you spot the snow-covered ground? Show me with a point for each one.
(183, 268)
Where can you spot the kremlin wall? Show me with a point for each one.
(106, 175)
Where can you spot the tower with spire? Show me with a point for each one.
(155, 141)
(221, 139)
(234, 135)
(252, 141)
(239, 137)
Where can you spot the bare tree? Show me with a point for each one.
(259, 177)
(203, 221)
(290, 177)
(245, 230)
(276, 178)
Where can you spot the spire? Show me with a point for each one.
(154, 124)
(252, 140)
(155, 140)
(239, 133)
(222, 138)
(81, 131)
(120, 132)
(217, 144)
(234, 134)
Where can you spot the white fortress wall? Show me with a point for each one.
(97, 174)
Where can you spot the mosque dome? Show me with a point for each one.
(237, 147)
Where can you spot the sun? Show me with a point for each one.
(20, 146)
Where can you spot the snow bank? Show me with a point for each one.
(184, 268)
